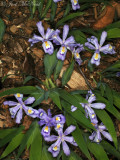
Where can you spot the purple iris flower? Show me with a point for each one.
(44, 38)
(118, 74)
(76, 54)
(94, 45)
(96, 135)
(56, 1)
(61, 138)
(75, 4)
(49, 121)
(88, 107)
(65, 43)
(17, 110)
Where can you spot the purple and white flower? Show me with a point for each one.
(61, 138)
(49, 121)
(19, 106)
(73, 108)
(96, 135)
(94, 45)
(65, 43)
(44, 38)
(75, 4)
(88, 107)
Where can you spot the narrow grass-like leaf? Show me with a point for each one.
(58, 69)
(67, 74)
(28, 78)
(40, 7)
(5, 132)
(77, 134)
(22, 90)
(69, 17)
(50, 63)
(53, 11)
(47, 6)
(12, 145)
(113, 33)
(67, 10)
(2, 29)
(46, 155)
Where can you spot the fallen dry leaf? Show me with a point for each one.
(105, 18)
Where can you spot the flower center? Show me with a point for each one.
(96, 56)
(57, 118)
(63, 50)
(46, 129)
(47, 44)
(30, 111)
(58, 126)
(55, 148)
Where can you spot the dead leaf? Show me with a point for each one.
(38, 52)
(106, 17)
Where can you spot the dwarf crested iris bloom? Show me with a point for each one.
(44, 38)
(96, 135)
(17, 110)
(94, 45)
(56, 1)
(61, 138)
(48, 121)
(75, 4)
(88, 107)
(65, 43)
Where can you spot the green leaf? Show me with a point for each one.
(78, 35)
(28, 137)
(77, 134)
(28, 78)
(73, 156)
(113, 66)
(113, 25)
(2, 29)
(67, 10)
(40, 7)
(5, 132)
(46, 155)
(11, 135)
(116, 98)
(53, 11)
(90, 66)
(22, 90)
(67, 74)
(109, 95)
(105, 118)
(36, 146)
(77, 115)
(50, 63)
(47, 6)
(113, 33)
(58, 69)
(13, 145)
(98, 151)
(110, 149)
(69, 17)
(55, 97)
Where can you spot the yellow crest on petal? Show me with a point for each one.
(96, 56)
(47, 44)
(46, 129)
(55, 148)
(57, 118)
(110, 47)
(58, 126)
(77, 55)
(18, 95)
(75, 2)
(93, 115)
(30, 111)
(93, 124)
(63, 49)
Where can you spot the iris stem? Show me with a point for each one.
(47, 84)
(51, 83)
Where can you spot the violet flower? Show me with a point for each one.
(73, 108)
(19, 106)
(88, 107)
(65, 43)
(56, 1)
(96, 135)
(48, 121)
(94, 45)
(75, 4)
(61, 138)
(44, 38)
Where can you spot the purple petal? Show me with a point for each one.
(10, 103)
(102, 127)
(75, 4)
(107, 135)
(65, 32)
(65, 148)
(58, 127)
(40, 28)
(49, 113)
(48, 47)
(29, 100)
(94, 41)
(92, 135)
(96, 58)
(73, 108)
(61, 54)
(69, 139)
(42, 114)
(54, 149)
(59, 119)
(97, 137)
(70, 129)
(69, 41)
(108, 49)
(41, 122)
(51, 138)
(14, 110)
(19, 116)
(98, 105)
(18, 96)
(45, 131)
(49, 33)
(31, 112)
(56, 1)
(92, 98)
(103, 37)
(89, 45)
